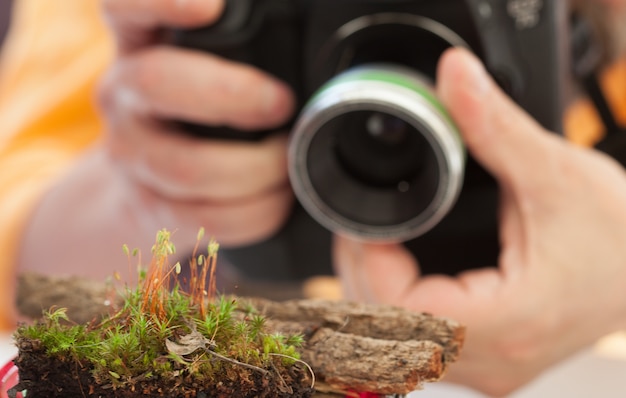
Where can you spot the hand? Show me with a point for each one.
(561, 278)
(147, 175)
(239, 191)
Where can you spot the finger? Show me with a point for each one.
(187, 169)
(173, 83)
(144, 14)
(183, 168)
(500, 135)
(388, 273)
(365, 277)
(230, 223)
(373, 272)
(135, 22)
(242, 223)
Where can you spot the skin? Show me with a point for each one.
(562, 215)
(559, 283)
(238, 191)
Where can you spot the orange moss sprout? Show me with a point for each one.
(162, 275)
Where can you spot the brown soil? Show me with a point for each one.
(45, 376)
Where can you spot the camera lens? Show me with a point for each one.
(387, 129)
(373, 154)
(378, 149)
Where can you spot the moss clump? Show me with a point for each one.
(164, 340)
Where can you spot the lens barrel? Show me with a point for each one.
(374, 154)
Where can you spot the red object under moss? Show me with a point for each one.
(8, 379)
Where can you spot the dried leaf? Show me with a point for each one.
(188, 343)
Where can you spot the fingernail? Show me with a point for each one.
(277, 100)
(356, 249)
(476, 78)
(460, 70)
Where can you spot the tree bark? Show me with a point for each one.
(382, 349)
(350, 346)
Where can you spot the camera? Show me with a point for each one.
(372, 152)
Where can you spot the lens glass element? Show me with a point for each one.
(381, 170)
(378, 149)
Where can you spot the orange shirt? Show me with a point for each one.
(50, 64)
(49, 68)
(582, 124)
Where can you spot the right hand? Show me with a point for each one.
(239, 191)
(560, 280)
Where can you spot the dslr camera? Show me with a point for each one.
(372, 152)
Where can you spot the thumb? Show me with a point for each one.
(373, 272)
(388, 273)
(498, 133)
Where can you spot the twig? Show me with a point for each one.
(302, 362)
(236, 362)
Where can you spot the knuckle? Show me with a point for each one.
(129, 83)
(113, 9)
(105, 91)
(109, 6)
(136, 81)
(194, 12)
(145, 70)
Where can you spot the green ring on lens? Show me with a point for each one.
(395, 75)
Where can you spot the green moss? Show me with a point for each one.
(164, 332)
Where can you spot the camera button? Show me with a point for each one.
(525, 13)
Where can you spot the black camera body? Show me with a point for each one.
(307, 43)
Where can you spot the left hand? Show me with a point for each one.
(561, 278)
